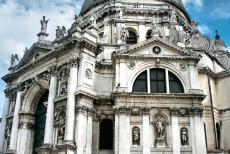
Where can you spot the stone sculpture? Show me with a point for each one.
(44, 23)
(136, 135)
(14, 59)
(184, 136)
(60, 32)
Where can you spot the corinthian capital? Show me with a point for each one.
(7, 92)
(52, 70)
(74, 62)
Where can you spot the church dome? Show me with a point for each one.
(88, 4)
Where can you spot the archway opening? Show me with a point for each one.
(132, 38)
(106, 135)
(40, 120)
(218, 135)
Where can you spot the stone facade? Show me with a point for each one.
(128, 77)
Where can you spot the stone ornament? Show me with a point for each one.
(183, 66)
(60, 32)
(88, 73)
(173, 35)
(156, 50)
(63, 89)
(123, 110)
(13, 60)
(124, 34)
(184, 136)
(74, 62)
(131, 65)
(44, 24)
(8, 134)
(136, 135)
(173, 17)
(160, 131)
(60, 115)
(26, 125)
(52, 70)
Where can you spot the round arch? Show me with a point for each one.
(163, 65)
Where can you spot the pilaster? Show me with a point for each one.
(3, 122)
(49, 127)
(14, 131)
(175, 131)
(146, 130)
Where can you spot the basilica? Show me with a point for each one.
(128, 77)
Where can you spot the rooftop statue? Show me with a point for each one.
(14, 58)
(44, 23)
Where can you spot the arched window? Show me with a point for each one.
(40, 120)
(140, 84)
(132, 38)
(106, 135)
(175, 85)
(218, 135)
(157, 82)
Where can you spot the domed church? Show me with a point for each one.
(128, 77)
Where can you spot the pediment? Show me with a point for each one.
(36, 51)
(147, 48)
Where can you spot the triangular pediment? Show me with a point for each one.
(36, 51)
(149, 48)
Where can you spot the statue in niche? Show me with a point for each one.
(160, 131)
(136, 135)
(8, 134)
(14, 58)
(44, 23)
(60, 32)
(173, 17)
(124, 34)
(60, 124)
(63, 89)
(184, 136)
(12, 106)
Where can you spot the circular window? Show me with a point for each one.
(156, 50)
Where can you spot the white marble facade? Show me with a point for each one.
(128, 77)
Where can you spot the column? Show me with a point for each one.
(146, 132)
(175, 132)
(48, 138)
(14, 131)
(70, 106)
(193, 135)
(3, 122)
(142, 32)
(124, 130)
(193, 72)
(89, 132)
(116, 144)
(81, 128)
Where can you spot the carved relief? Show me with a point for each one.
(184, 136)
(60, 115)
(183, 66)
(131, 65)
(124, 34)
(12, 103)
(63, 81)
(173, 35)
(136, 135)
(88, 73)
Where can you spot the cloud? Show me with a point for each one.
(221, 10)
(204, 29)
(20, 23)
(228, 48)
(196, 3)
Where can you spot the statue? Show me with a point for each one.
(12, 105)
(173, 16)
(124, 34)
(120, 12)
(14, 58)
(173, 35)
(154, 30)
(8, 134)
(63, 89)
(60, 32)
(60, 124)
(184, 136)
(92, 20)
(160, 131)
(136, 135)
(44, 23)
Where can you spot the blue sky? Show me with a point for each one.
(20, 23)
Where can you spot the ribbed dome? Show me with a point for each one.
(90, 3)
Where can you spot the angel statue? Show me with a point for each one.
(14, 58)
(60, 32)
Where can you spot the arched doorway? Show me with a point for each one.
(106, 135)
(40, 120)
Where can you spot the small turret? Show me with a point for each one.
(219, 43)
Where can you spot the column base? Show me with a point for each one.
(69, 148)
(10, 152)
(45, 149)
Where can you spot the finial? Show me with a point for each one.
(217, 35)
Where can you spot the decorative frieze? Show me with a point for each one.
(85, 110)
(145, 110)
(123, 110)
(26, 125)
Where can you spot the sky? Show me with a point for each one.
(20, 23)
